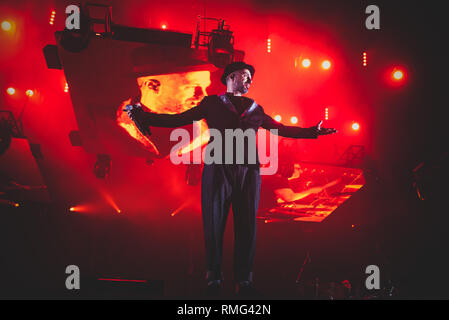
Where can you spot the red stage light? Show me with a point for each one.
(29, 93)
(355, 126)
(278, 118)
(306, 63)
(11, 91)
(398, 75)
(111, 202)
(326, 65)
(66, 89)
(6, 26)
(294, 120)
(72, 209)
(364, 59)
(326, 113)
(164, 26)
(269, 45)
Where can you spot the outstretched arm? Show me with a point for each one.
(170, 120)
(295, 132)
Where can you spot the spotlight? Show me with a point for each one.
(355, 126)
(268, 45)
(164, 26)
(102, 166)
(398, 75)
(66, 88)
(294, 120)
(11, 91)
(278, 118)
(364, 59)
(326, 64)
(326, 113)
(220, 45)
(72, 209)
(6, 26)
(29, 93)
(306, 63)
(110, 200)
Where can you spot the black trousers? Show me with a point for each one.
(223, 185)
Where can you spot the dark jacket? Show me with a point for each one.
(221, 114)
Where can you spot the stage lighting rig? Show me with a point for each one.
(94, 19)
(219, 42)
(100, 18)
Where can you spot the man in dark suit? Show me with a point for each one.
(225, 182)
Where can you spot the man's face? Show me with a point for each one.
(174, 93)
(169, 93)
(242, 81)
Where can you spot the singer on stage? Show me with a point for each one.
(224, 184)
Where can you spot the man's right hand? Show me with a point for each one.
(133, 112)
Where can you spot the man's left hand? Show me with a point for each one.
(323, 131)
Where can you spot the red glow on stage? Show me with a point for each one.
(6, 26)
(11, 91)
(29, 93)
(294, 120)
(278, 118)
(355, 126)
(123, 280)
(306, 63)
(326, 65)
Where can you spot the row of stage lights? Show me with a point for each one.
(52, 21)
(397, 74)
(12, 91)
(294, 120)
(29, 93)
(306, 63)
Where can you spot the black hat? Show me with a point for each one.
(234, 66)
